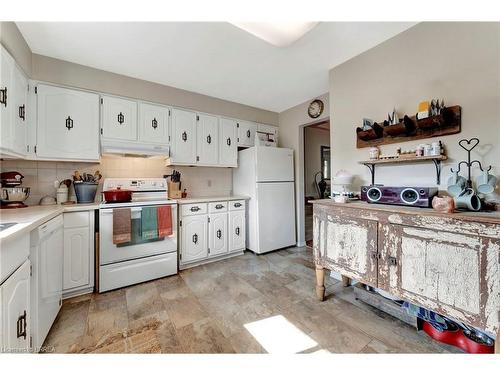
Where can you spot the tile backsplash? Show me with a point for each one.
(40, 175)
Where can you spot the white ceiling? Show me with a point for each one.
(212, 58)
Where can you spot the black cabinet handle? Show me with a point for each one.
(218, 206)
(69, 123)
(121, 118)
(237, 231)
(184, 136)
(22, 112)
(3, 96)
(248, 133)
(238, 204)
(209, 139)
(154, 123)
(21, 326)
(228, 141)
(195, 238)
(219, 234)
(195, 209)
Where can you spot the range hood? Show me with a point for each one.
(133, 148)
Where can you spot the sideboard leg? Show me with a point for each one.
(346, 281)
(320, 282)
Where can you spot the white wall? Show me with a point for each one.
(459, 62)
(314, 138)
(291, 130)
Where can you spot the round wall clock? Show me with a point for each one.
(315, 109)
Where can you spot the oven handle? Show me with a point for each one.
(109, 211)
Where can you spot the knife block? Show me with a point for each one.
(174, 190)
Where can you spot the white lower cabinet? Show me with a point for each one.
(78, 270)
(217, 234)
(237, 232)
(15, 311)
(194, 238)
(210, 231)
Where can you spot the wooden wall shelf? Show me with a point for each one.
(370, 164)
(411, 128)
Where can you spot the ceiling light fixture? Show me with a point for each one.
(280, 34)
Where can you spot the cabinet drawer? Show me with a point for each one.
(194, 209)
(237, 205)
(214, 207)
(76, 219)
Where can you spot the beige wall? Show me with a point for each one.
(40, 175)
(314, 138)
(291, 130)
(75, 75)
(459, 62)
(14, 42)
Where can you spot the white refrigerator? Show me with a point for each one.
(266, 175)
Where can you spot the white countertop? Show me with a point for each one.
(31, 217)
(211, 199)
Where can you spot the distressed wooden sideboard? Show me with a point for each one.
(448, 263)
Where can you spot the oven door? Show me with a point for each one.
(111, 253)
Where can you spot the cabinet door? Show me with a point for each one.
(50, 281)
(119, 118)
(237, 230)
(208, 140)
(15, 294)
(451, 273)
(228, 147)
(194, 238)
(68, 124)
(347, 245)
(153, 123)
(217, 234)
(246, 133)
(7, 66)
(183, 140)
(20, 112)
(76, 257)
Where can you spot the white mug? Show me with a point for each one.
(456, 184)
(486, 183)
(468, 200)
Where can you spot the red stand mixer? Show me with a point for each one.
(12, 193)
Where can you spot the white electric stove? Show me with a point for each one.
(139, 260)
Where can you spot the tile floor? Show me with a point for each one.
(205, 310)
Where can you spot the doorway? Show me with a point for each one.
(316, 170)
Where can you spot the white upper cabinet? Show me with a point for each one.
(228, 150)
(119, 118)
(246, 133)
(20, 113)
(67, 124)
(183, 139)
(208, 140)
(153, 123)
(13, 98)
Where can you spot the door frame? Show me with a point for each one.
(300, 186)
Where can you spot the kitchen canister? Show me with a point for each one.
(62, 194)
(427, 149)
(374, 153)
(436, 148)
(85, 191)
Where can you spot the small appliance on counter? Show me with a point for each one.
(13, 194)
(399, 195)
